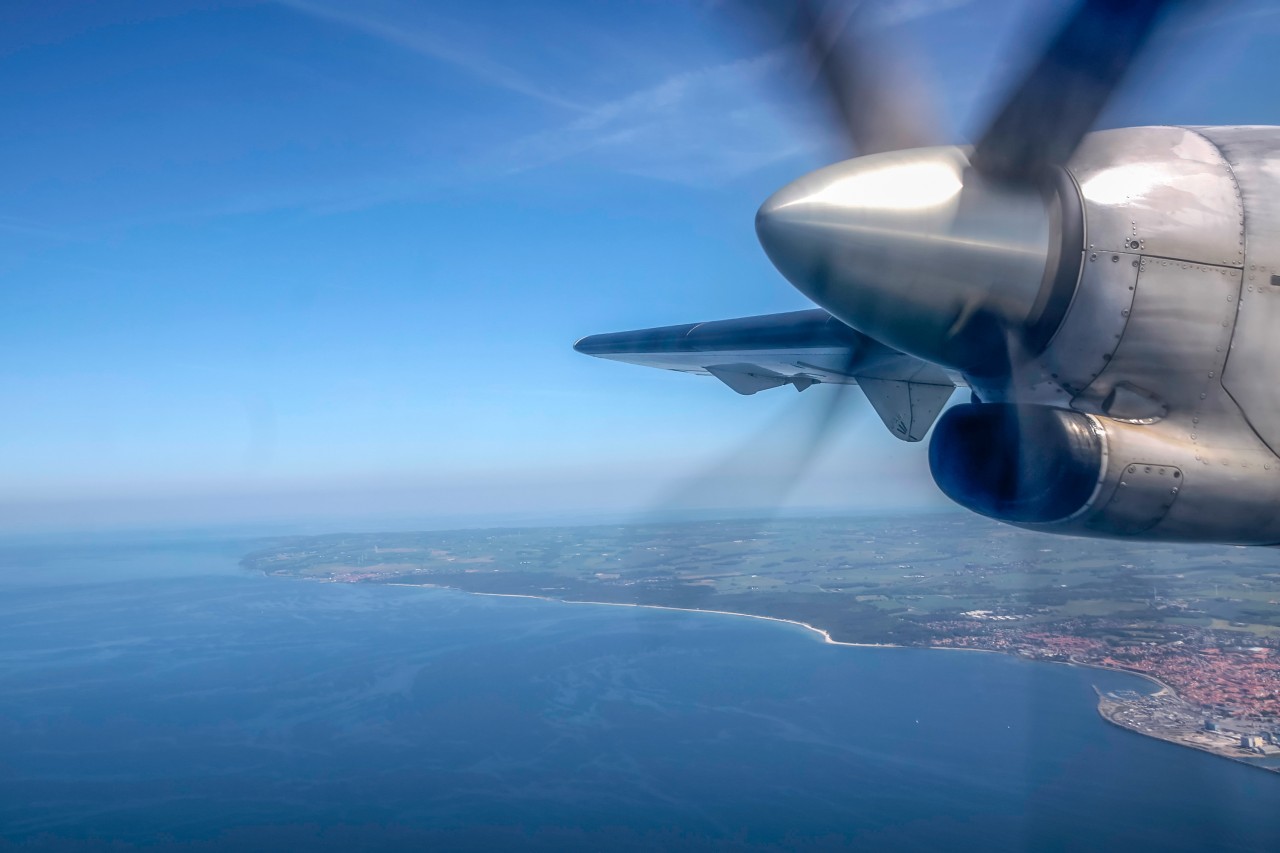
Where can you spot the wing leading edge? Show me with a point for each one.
(798, 348)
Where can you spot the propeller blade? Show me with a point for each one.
(1013, 432)
(822, 430)
(874, 102)
(767, 466)
(1058, 100)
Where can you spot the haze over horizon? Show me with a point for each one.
(285, 260)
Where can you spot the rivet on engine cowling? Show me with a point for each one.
(1133, 468)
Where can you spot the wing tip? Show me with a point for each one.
(660, 340)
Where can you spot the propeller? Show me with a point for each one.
(1048, 112)
(965, 258)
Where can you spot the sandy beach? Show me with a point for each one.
(824, 634)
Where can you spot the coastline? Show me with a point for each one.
(822, 632)
(1101, 707)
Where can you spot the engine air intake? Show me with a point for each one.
(1016, 463)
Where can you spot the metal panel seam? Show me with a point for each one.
(1235, 325)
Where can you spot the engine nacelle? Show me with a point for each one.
(1159, 381)
(1064, 471)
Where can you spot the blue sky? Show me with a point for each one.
(308, 258)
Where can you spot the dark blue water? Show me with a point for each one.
(153, 696)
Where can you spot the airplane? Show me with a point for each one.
(1111, 299)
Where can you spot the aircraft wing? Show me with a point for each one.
(798, 348)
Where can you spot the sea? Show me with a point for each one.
(156, 696)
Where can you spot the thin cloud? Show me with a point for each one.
(694, 127)
(703, 126)
(26, 228)
(434, 47)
